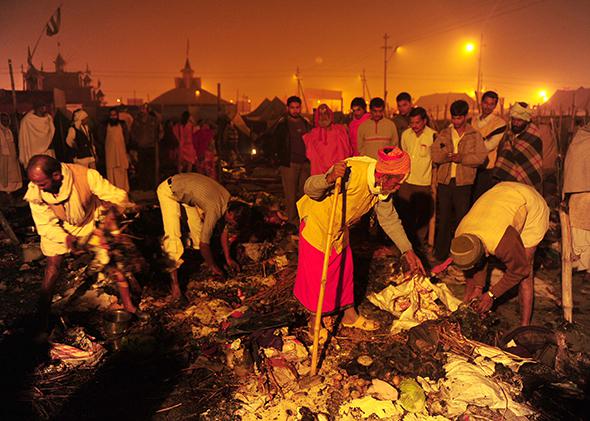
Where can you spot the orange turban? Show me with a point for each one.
(392, 160)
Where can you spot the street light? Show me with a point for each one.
(543, 95)
(469, 48)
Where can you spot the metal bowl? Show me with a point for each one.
(116, 322)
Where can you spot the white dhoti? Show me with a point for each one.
(171, 214)
(116, 159)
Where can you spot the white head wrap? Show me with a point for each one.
(79, 115)
(523, 113)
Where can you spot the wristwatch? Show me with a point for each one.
(492, 296)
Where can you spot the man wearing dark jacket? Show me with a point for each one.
(288, 151)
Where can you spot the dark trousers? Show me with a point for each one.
(146, 169)
(450, 198)
(293, 178)
(483, 182)
(414, 205)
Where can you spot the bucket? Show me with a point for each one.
(116, 322)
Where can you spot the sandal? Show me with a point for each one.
(363, 323)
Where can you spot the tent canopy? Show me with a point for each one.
(430, 102)
(563, 100)
(186, 96)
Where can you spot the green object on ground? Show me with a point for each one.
(412, 397)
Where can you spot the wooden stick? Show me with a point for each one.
(567, 301)
(432, 222)
(327, 251)
(159, 411)
(8, 230)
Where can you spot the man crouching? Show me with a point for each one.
(66, 200)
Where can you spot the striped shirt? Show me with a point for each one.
(200, 191)
(375, 135)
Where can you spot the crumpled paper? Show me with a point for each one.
(368, 406)
(84, 350)
(209, 311)
(413, 301)
(470, 383)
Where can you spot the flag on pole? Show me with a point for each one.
(54, 23)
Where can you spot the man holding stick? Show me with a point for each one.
(367, 183)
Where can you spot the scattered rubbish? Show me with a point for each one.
(365, 360)
(412, 396)
(78, 349)
(471, 383)
(368, 406)
(382, 390)
(413, 301)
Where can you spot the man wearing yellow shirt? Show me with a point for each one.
(414, 198)
(508, 221)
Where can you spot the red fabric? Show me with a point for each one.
(353, 129)
(186, 148)
(201, 141)
(326, 146)
(339, 285)
(393, 160)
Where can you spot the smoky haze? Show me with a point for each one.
(137, 48)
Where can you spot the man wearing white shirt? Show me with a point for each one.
(414, 198)
(492, 128)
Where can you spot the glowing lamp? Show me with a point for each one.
(469, 47)
(543, 95)
(253, 152)
(197, 92)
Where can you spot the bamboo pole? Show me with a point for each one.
(327, 251)
(432, 222)
(8, 230)
(567, 301)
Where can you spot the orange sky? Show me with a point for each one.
(255, 46)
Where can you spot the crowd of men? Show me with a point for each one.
(467, 162)
(122, 147)
(478, 179)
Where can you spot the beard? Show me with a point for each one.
(518, 129)
(54, 189)
(113, 121)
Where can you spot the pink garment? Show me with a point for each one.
(201, 141)
(186, 148)
(339, 285)
(353, 129)
(326, 146)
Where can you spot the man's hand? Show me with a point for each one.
(414, 262)
(338, 170)
(71, 242)
(485, 303)
(455, 157)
